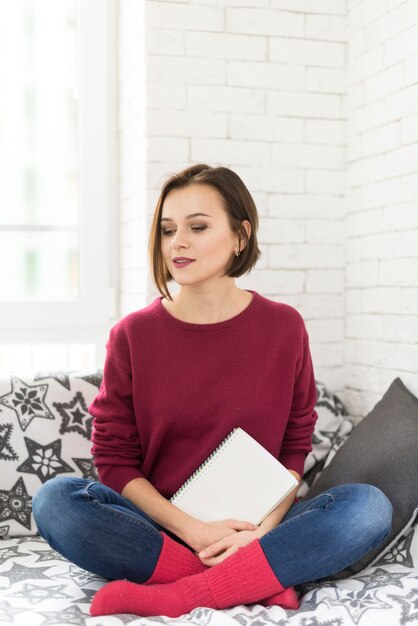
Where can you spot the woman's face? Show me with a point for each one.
(195, 225)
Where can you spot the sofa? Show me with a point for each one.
(45, 432)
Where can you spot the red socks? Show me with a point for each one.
(176, 561)
(244, 577)
(287, 599)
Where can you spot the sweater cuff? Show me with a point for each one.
(116, 477)
(293, 461)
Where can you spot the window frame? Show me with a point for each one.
(97, 306)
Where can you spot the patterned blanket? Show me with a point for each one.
(39, 587)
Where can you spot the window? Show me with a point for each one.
(58, 226)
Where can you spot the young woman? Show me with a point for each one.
(179, 375)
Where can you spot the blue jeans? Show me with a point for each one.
(101, 531)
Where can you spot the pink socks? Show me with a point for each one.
(287, 599)
(244, 577)
(176, 561)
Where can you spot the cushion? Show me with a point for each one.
(332, 428)
(45, 431)
(381, 451)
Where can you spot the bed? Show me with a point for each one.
(39, 587)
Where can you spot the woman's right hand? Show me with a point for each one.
(207, 533)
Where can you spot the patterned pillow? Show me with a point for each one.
(45, 431)
(332, 428)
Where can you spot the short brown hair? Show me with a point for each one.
(239, 206)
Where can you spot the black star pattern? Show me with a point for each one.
(16, 504)
(312, 603)
(75, 417)
(48, 555)
(35, 594)
(69, 615)
(380, 578)
(6, 451)
(9, 553)
(313, 621)
(86, 598)
(331, 401)
(44, 461)
(400, 553)
(127, 618)
(257, 618)
(409, 604)
(337, 438)
(27, 401)
(61, 377)
(4, 531)
(86, 466)
(328, 435)
(94, 379)
(333, 439)
(19, 573)
(81, 576)
(32, 540)
(356, 603)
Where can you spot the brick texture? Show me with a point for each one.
(314, 105)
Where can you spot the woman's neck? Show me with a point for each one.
(207, 309)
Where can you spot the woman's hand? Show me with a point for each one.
(220, 550)
(210, 533)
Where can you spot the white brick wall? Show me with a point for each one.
(381, 303)
(316, 109)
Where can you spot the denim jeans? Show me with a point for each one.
(101, 531)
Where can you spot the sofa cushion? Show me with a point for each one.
(382, 451)
(45, 431)
(332, 428)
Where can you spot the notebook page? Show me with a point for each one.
(243, 480)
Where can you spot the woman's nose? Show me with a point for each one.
(178, 239)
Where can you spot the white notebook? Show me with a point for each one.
(240, 479)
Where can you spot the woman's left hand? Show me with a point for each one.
(220, 550)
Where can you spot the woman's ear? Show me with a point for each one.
(246, 224)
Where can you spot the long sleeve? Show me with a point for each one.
(297, 440)
(116, 446)
(173, 390)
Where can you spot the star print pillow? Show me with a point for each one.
(45, 431)
(332, 429)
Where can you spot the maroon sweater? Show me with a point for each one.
(173, 390)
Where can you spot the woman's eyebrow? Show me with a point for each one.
(188, 217)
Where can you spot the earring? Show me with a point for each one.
(237, 253)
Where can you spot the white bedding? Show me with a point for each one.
(38, 587)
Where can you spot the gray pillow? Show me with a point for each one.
(382, 451)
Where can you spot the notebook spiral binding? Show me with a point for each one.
(202, 467)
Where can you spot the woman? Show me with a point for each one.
(179, 375)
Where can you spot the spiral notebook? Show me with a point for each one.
(240, 479)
